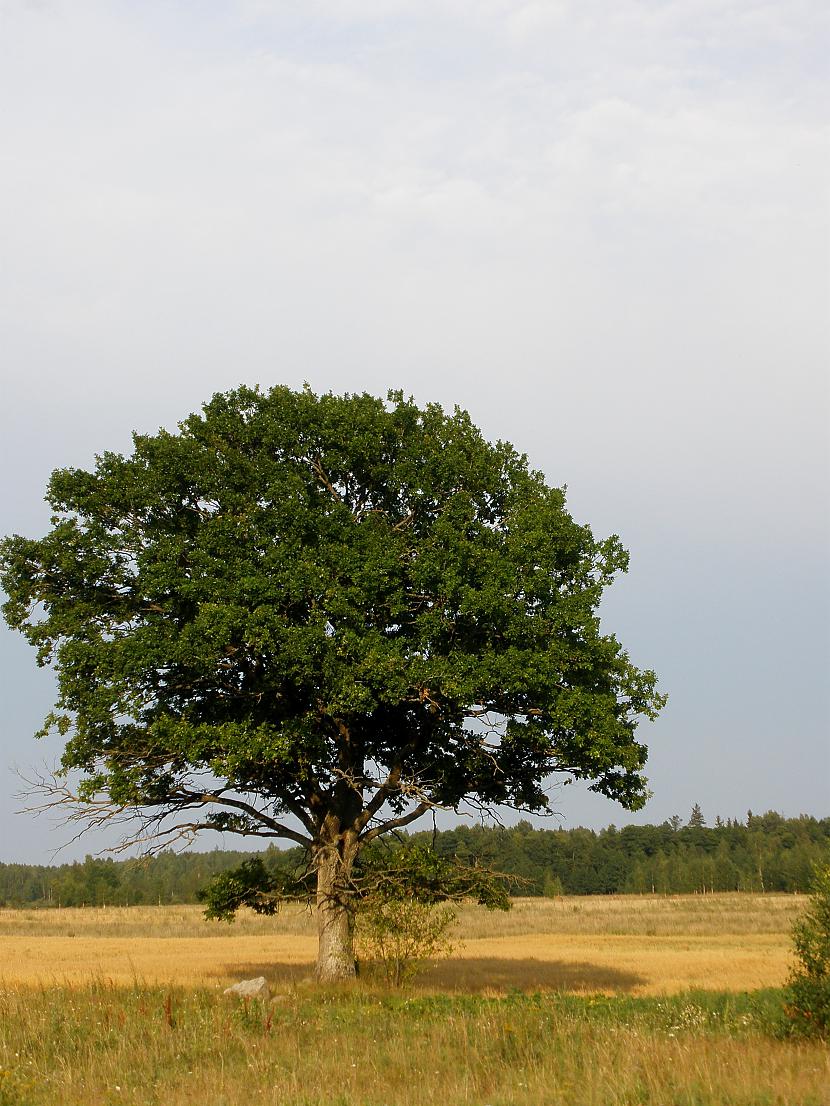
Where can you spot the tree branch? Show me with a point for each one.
(387, 788)
(204, 798)
(396, 823)
(299, 813)
(96, 812)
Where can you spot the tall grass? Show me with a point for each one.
(149, 921)
(100, 1045)
(638, 915)
(646, 915)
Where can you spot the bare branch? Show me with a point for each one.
(98, 812)
(396, 823)
(205, 798)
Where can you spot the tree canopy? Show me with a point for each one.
(320, 618)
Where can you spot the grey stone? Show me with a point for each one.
(250, 988)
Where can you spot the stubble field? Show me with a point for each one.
(612, 944)
(569, 1001)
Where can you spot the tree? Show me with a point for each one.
(696, 819)
(319, 619)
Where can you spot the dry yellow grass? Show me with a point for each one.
(619, 944)
(645, 915)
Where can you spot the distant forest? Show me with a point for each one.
(764, 853)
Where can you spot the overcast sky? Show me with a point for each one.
(600, 226)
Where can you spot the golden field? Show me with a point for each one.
(618, 1001)
(637, 945)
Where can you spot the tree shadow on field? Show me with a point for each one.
(278, 974)
(474, 975)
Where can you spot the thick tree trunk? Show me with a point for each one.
(335, 956)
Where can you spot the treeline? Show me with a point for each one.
(763, 853)
(166, 878)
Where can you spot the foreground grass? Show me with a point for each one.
(143, 1045)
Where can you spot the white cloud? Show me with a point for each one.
(540, 16)
(600, 226)
(186, 184)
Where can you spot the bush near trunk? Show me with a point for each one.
(397, 937)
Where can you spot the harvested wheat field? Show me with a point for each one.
(124, 1005)
(613, 945)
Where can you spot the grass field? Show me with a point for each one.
(569, 1002)
(618, 945)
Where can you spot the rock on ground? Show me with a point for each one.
(250, 988)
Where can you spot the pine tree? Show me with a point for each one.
(696, 818)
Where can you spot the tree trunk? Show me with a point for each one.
(335, 955)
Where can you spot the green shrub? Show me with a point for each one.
(397, 936)
(808, 1000)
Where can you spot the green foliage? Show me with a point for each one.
(318, 618)
(774, 854)
(415, 872)
(402, 920)
(398, 936)
(552, 887)
(808, 1008)
(306, 600)
(167, 877)
(254, 885)
(696, 819)
(410, 873)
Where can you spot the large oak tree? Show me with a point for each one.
(320, 618)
